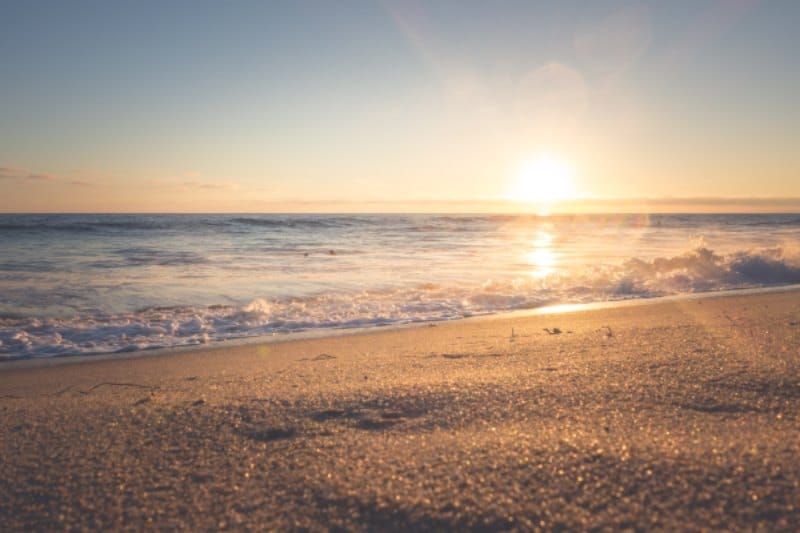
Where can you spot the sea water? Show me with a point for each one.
(77, 284)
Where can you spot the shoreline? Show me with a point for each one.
(325, 333)
(678, 415)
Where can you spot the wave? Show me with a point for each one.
(697, 270)
(704, 270)
(769, 220)
(120, 224)
(151, 256)
(311, 222)
(63, 223)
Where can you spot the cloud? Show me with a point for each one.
(189, 181)
(21, 174)
(207, 185)
(15, 174)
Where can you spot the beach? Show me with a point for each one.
(678, 415)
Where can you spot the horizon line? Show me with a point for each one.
(583, 206)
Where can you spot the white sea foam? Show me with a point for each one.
(696, 270)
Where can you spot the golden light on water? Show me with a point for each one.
(542, 258)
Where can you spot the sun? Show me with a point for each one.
(544, 180)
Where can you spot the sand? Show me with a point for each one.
(679, 415)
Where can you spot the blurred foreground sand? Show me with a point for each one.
(678, 415)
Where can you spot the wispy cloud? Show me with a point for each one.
(21, 174)
(190, 181)
(208, 185)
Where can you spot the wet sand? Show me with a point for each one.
(678, 415)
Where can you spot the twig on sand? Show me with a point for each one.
(59, 392)
(320, 357)
(117, 384)
(553, 331)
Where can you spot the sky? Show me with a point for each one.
(172, 106)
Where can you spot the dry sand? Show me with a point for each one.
(679, 415)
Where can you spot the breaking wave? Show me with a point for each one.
(702, 270)
(697, 270)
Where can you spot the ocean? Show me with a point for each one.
(85, 284)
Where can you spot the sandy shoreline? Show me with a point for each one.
(679, 414)
(326, 333)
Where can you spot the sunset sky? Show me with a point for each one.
(406, 106)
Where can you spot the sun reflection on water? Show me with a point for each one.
(542, 258)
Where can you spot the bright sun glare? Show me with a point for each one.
(544, 180)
